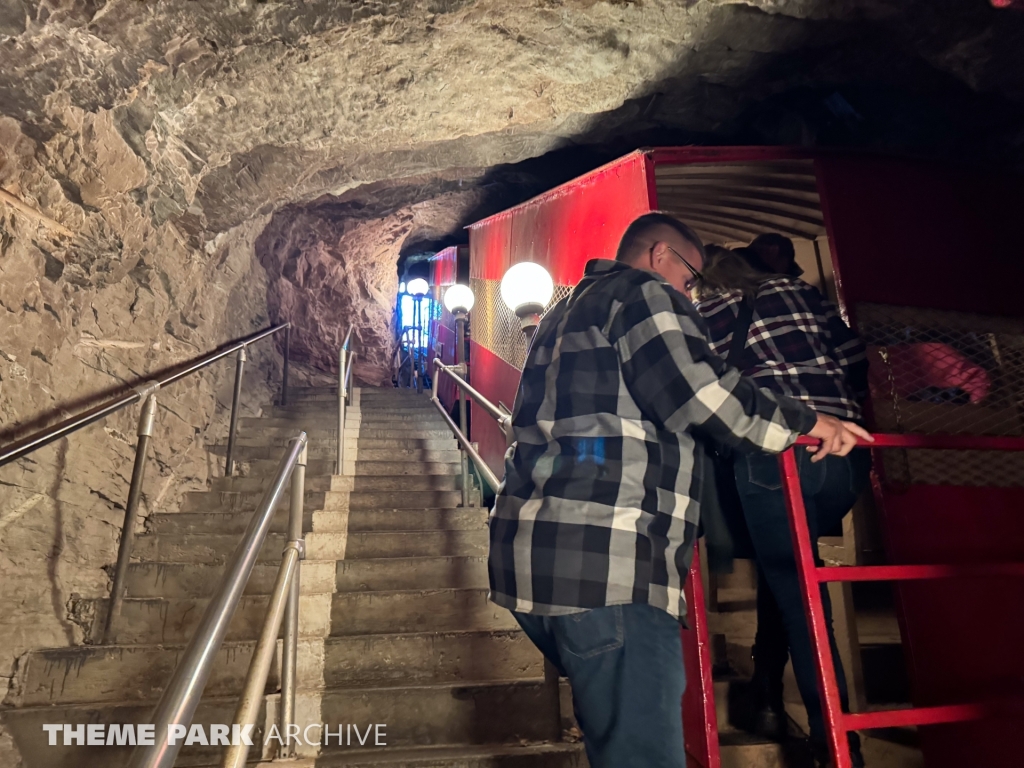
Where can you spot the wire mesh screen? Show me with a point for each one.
(935, 372)
(496, 327)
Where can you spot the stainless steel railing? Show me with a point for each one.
(180, 698)
(345, 360)
(146, 393)
(456, 372)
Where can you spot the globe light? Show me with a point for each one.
(418, 286)
(526, 289)
(459, 297)
(527, 284)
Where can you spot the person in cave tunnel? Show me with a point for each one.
(592, 532)
(784, 335)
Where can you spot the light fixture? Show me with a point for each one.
(418, 286)
(526, 289)
(401, 287)
(459, 298)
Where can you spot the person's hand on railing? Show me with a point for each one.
(837, 437)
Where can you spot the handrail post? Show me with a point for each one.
(284, 366)
(342, 394)
(181, 696)
(290, 651)
(460, 354)
(229, 461)
(262, 657)
(131, 515)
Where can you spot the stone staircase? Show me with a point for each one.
(395, 624)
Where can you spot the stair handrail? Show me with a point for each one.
(146, 391)
(181, 696)
(43, 437)
(345, 360)
(456, 372)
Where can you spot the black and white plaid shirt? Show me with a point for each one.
(797, 345)
(599, 505)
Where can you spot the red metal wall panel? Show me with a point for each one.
(498, 381)
(566, 227)
(909, 234)
(445, 266)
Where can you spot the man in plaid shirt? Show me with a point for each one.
(593, 529)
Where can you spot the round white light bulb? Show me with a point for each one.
(526, 283)
(459, 297)
(418, 286)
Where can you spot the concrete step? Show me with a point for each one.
(545, 755)
(454, 713)
(430, 657)
(123, 673)
(410, 467)
(172, 580)
(267, 468)
(421, 610)
(404, 499)
(318, 450)
(172, 621)
(408, 443)
(259, 483)
(411, 573)
(216, 548)
(215, 522)
(233, 501)
(401, 419)
(407, 456)
(414, 482)
(380, 544)
(410, 431)
(382, 520)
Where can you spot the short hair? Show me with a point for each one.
(638, 232)
(771, 245)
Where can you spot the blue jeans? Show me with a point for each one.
(830, 488)
(625, 665)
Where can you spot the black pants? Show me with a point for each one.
(830, 488)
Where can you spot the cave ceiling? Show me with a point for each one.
(420, 116)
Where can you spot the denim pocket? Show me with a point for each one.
(593, 632)
(763, 471)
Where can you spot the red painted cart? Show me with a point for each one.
(925, 262)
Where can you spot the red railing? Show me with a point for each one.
(838, 723)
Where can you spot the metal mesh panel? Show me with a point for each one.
(934, 372)
(496, 327)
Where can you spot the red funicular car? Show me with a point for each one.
(926, 262)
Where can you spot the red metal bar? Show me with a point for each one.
(902, 718)
(807, 569)
(915, 572)
(941, 442)
(698, 618)
(811, 576)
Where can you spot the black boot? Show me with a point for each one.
(770, 719)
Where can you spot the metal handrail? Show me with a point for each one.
(46, 436)
(284, 606)
(345, 360)
(180, 698)
(147, 392)
(503, 421)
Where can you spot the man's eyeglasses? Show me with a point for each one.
(693, 270)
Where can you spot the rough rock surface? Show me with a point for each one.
(231, 163)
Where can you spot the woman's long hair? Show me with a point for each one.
(728, 270)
